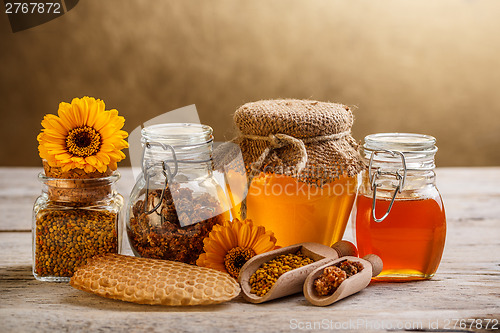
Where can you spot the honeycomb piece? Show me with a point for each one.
(154, 281)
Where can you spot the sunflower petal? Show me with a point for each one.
(67, 116)
(77, 159)
(66, 167)
(113, 166)
(104, 158)
(215, 248)
(212, 261)
(92, 113)
(222, 241)
(116, 155)
(120, 144)
(218, 266)
(102, 168)
(231, 237)
(53, 133)
(123, 134)
(107, 147)
(119, 121)
(201, 260)
(263, 244)
(88, 168)
(235, 225)
(244, 236)
(102, 120)
(54, 123)
(78, 107)
(92, 160)
(257, 232)
(64, 156)
(107, 132)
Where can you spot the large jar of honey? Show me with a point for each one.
(293, 169)
(400, 215)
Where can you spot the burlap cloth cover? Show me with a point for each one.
(308, 140)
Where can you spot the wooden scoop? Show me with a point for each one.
(372, 266)
(291, 282)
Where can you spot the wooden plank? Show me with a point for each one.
(470, 193)
(476, 190)
(468, 181)
(467, 284)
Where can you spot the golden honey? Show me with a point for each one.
(295, 211)
(409, 241)
(400, 214)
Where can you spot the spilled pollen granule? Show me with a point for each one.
(266, 276)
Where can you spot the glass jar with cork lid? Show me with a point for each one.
(400, 214)
(176, 200)
(76, 217)
(293, 168)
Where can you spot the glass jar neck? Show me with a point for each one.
(402, 161)
(392, 151)
(177, 148)
(83, 191)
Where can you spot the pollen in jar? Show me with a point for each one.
(410, 240)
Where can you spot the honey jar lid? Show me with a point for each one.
(404, 142)
(308, 140)
(418, 150)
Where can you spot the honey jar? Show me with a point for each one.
(399, 212)
(298, 212)
(298, 170)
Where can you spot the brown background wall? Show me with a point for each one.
(419, 66)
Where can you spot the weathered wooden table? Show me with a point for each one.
(463, 296)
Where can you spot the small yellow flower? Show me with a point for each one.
(229, 246)
(84, 135)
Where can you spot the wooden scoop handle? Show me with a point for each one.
(377, 264)
(345, 248)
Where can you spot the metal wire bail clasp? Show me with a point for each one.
(148, 172)
(373, 178)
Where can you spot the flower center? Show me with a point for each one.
(83, 141)
(236, 258)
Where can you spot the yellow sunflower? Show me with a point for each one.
(229, 246)
(84, 135)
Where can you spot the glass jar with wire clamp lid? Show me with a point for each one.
(399, 212)
(176, 200)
